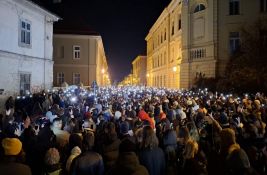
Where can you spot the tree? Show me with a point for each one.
(247, 67)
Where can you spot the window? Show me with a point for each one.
(263, 5)
(25, 83)
(60, 78)
(172, 28)
(179, 22)
(25, 33)
(199, 7)
(76, 78)
(161, 38)
(76, 52)
(234, 42)
(234, 7)
(165, 34)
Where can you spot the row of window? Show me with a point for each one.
(76, 78)
(234, 6)
(160, 60)
(159, 81)
(198, 53)
(162, 37)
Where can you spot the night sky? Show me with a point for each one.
(123, 25)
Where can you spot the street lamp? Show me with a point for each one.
(147, 75)
(174, 69)
(103, 71)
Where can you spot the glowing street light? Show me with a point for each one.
(103, 71)
(147, 75)
(174, 69)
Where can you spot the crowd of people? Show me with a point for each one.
(134, 130)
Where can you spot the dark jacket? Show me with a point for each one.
(128, 164)
(153, 160)
(89, 163)
(193, 167)
(9, 166)
(111, 152)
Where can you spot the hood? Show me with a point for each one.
(76, 151)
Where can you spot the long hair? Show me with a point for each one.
(191, 149)
(150, 139)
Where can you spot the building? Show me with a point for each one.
(196, 36)
(26, 35)
(139, 70)
(79, 56)
(129, 80)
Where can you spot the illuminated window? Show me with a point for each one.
(199, 7)
(25, 83)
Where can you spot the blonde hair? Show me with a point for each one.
(52, 156)
(191, 149)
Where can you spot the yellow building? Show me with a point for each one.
(196, 36)
(79, 57)
(128, 80)
(139, 70)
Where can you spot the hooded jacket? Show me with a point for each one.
(128, 163)
(74, 153)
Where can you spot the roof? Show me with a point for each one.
(40, 6)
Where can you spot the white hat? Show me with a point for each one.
(117, 115)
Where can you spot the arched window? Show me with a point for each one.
(199, 7)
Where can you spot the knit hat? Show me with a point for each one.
(124, 127)
(12, 146)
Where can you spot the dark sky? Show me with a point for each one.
(123, 25)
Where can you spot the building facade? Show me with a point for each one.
(196, 36)
(26, 35)
(79, 57)
(139, 70)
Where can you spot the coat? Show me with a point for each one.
(153, 160)
(128, 163)
(9, 166)
(88, 163)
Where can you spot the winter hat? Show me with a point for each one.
(12, 146)
(117, 115)
(124, 127)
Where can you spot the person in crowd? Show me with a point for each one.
(11, 163)
(192, 165)
(52, 164)
(88, 162)
(128, 162)
(150, 155)
(62, 137)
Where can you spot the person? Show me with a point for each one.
(88, 162)
(11, 163)
(128, 162)
(52, 165)
(110, 147)
(150, 155)
(192, 166)
(235, 160)
(62, 137)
